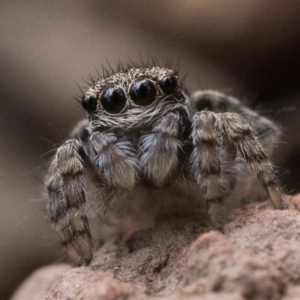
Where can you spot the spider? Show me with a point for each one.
(148, 148)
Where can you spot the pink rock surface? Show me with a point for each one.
(38, 284)
(258, 257)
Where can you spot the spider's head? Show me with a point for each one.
(134, 98)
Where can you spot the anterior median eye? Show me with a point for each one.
(89, 102)
(168, 84)
(143, 92)
(113, 100)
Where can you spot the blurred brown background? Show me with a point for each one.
(248, 48)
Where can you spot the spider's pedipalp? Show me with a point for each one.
(65, 186)
(159, 149)
(114, 160)
(239, 132)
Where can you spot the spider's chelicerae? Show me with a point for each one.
(147, 149)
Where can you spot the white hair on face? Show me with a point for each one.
(140, 116)
(133, 115)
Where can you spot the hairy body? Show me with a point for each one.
(149, 149)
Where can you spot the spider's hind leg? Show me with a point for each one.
(240, 133)
(267, 132)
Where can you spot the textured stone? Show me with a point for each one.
(258, 257)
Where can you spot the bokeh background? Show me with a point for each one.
(248, 48)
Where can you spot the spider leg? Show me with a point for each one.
(65, 186)
(206, 165)
(159, 149)
(241, 134)
(266, 131)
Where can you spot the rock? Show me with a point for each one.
(258, 257)
(37, 285)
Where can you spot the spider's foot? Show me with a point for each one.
(80, 250)
(219, 227)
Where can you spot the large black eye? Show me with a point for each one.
(143, 92)
(89, 102)
(168, 84)
(113, 100)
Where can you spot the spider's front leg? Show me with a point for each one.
(206, 165)
(65, 186)
(159, 149)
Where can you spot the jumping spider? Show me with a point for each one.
(148, 149)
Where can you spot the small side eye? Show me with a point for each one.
(89, 102)
(168, 84)
(204, 104)
(222, 105)
(113, 100)
(143, 92)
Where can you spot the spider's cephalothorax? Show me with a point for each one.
(134, 99)
(150, 149)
